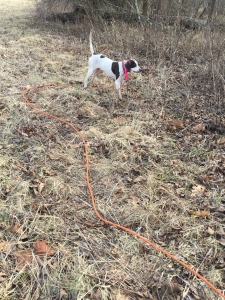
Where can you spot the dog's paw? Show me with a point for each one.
(120, 95)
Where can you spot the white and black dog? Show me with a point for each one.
(113, 69)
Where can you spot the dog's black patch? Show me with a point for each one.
(115, 69)
(130, 64)
(102, 56)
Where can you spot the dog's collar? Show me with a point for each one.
(125, 69)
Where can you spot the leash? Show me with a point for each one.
(87, 166)
(125, 73)
(125, 69)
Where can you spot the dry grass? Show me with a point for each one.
(144, 164)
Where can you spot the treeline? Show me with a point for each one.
(190, 12)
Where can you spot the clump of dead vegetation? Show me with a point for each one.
(157, 162)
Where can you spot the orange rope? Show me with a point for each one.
(92, 195)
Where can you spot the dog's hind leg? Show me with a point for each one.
(89, 73)
(95, 73)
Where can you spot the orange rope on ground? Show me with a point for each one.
(91, 191)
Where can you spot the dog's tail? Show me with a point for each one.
(91, 45)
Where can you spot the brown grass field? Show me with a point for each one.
(157, 162)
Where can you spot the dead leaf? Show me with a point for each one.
(177, 124)
(40, 187)
(203, 213)
(7, 189)
(96, 295)
(37, 294)
(3, 112)
(63, 294)
(122, 297)
(162, 113)
(208, 178)
(114, 253)
(220, 209)
(23, 258)
(198, 190)
(119, 295)
(199, 127)
(210, 231)
(22, 133)
(118, 120)
(42, 248)
(5, 247)
(139, 179)
(54, 156)
(173, 286)
(3, 276)
(118, 191)
(195, 292)
(62, 248)
(135, 200)
(221, 141)
(222, 242)
(50, 172)
(220, 233)
(77, 145)
(123, 155)
(15, 228)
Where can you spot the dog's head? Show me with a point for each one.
(132, 65)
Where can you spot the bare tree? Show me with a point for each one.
(145, 7)
(158, 6)
(138, 12)
(211, 6)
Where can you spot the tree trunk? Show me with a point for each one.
(211, 6)
(158, 6)
(138, 12)
(145, 8)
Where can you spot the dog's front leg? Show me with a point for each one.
(118, 86)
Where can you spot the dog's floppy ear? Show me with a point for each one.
(130, 64)
(127, 65)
